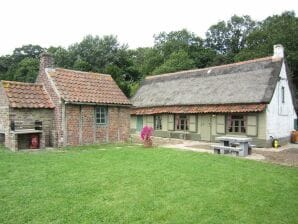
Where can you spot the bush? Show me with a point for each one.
(146, 133)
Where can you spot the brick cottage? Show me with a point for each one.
(73, 108)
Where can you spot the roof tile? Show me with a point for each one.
(26, 95)
(239, 108)
(87, 87)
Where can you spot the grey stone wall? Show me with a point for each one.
(29, 116)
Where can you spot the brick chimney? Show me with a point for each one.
(278, 51)
(46, 61)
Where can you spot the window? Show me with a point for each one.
(182, 122)
(157, 122)
(236, 124)
(101, 115)
(283, 94)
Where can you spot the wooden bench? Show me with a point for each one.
(220, 149)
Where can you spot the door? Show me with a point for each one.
(139, 123)
(206, 127)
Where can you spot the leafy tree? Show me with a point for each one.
(145, 60)
(27, 51)
(230, 37)
(276, 29)
(177, 61)
(5, 64)
(174, 41)
(81, 65)
(62, 57)
(183, 40)
(26, 70)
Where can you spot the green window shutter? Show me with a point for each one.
(171, 122)
(220, 124)
(192, 123)
(252, 125)
(150, 121)
(199, 123)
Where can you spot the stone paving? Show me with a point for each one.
(285, 155)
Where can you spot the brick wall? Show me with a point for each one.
(72, 124)
(81, 127)
(29, 116)
(87, 125)
(46, 61)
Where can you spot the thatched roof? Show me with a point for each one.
(246, 82)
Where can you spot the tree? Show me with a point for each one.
(229, 37)
(62, 57)
(27, 51)
(276, 29)
(168, 43)
(26, 70)
(177, 61)
(145, 60)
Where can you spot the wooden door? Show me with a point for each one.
(206, 127)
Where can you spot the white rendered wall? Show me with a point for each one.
(280, 116)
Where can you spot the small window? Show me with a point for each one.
(182, 122)
(157, 122)
(236, 124)
(283, 94)
(101, 115)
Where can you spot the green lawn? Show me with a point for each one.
(130, 184)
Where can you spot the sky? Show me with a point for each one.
(134, 22)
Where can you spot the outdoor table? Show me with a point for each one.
(243, 142)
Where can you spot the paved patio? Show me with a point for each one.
(285, 155)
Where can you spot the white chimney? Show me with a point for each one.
(278, 51)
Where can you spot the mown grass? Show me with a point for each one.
(130, 184)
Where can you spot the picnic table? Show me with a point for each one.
(233, 144)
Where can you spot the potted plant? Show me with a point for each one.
(146, 136)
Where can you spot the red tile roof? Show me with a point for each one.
(26, 95)
(87, 87)
(200, 109)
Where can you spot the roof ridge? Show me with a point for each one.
(76, 71)
(21, 83)
(212, 67)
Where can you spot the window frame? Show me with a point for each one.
(178, 123)
(157, 122)
(101, 115)
(231, 124)
(283, 94)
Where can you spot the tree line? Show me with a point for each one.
(240, 38)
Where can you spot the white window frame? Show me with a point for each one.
(283, 94)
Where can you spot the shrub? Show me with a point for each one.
(146, 133)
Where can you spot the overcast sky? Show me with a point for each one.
(63, 22)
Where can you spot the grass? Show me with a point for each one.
(130, 184)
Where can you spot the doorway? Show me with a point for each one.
(206, 128)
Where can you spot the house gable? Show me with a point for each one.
(280, 112)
